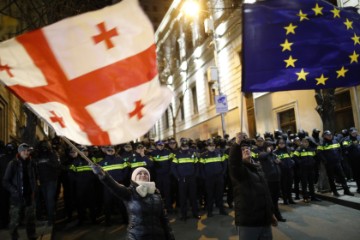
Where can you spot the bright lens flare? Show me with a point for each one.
(191, 8)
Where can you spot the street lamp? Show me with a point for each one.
(191, 8)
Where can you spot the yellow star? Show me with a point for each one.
(302, 16)
(302, 75)
(286, 45)
(348, 24)
(356, 39)
(290, 61)
(290, 29)
(354, 57)
(336, 12)
(341, 72)
(321, 80)
(318, 10)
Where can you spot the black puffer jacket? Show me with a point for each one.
(253, 206)
(13, 181)
(147, 218)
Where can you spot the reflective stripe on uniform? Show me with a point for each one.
(304, 154)
(211, 160)
(115, 166)
(328, 147)
(282, 156)
(137, 164)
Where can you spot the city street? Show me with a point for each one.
(318, 221)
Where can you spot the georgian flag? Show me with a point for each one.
(92, 77)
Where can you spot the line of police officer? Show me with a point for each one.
(196, 172)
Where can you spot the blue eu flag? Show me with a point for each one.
(299, 44)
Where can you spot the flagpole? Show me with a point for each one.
(357, 105)
(77, 150)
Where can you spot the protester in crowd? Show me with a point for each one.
(48, 169)
(147, 216)
(253, 205)
(20, 181)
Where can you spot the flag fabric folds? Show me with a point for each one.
(299, 44)
(92, 77)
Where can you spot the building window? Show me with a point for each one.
(287, 120)
(212, 92)
(166, 119)
(344, 118)
(194, 100)
(182, 110)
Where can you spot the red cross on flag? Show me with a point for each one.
(92, 77)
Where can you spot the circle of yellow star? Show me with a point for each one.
(290, 29)
(348, 24)
(302, 16)
(318, 10)
(341, 72)
(286, 45)
(302, 75)
(336, 12)
(354, 57)
(290, 62)
(321, 80)
(356, 39)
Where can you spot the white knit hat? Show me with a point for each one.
(137, 170)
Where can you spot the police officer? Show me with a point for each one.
(139, 159)
(118, 169)
(185, 169)
(351, 145)
(48, 169)
(287, 170)
(305, 158)
(330, 153)
(85, 180)
(213, 169)
(162, 159)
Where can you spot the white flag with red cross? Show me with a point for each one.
(92, 77)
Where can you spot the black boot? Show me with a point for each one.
(347, 192)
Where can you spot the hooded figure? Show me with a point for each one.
(147, 217)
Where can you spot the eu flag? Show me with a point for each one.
(299, 44)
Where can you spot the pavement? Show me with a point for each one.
(45, 232)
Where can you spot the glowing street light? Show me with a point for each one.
(191, 8)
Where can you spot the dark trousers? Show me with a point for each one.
(274, 188)
(333, 170)
(16, 211)
(187, 190)
(4, 207)
(296, 180)
(214, 192)
(111, 203)
(163, 183)
(48, 190)
(229, 190)
(287, 178)
(85, 199)
(307, 181)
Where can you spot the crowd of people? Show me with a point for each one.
(188, 172)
